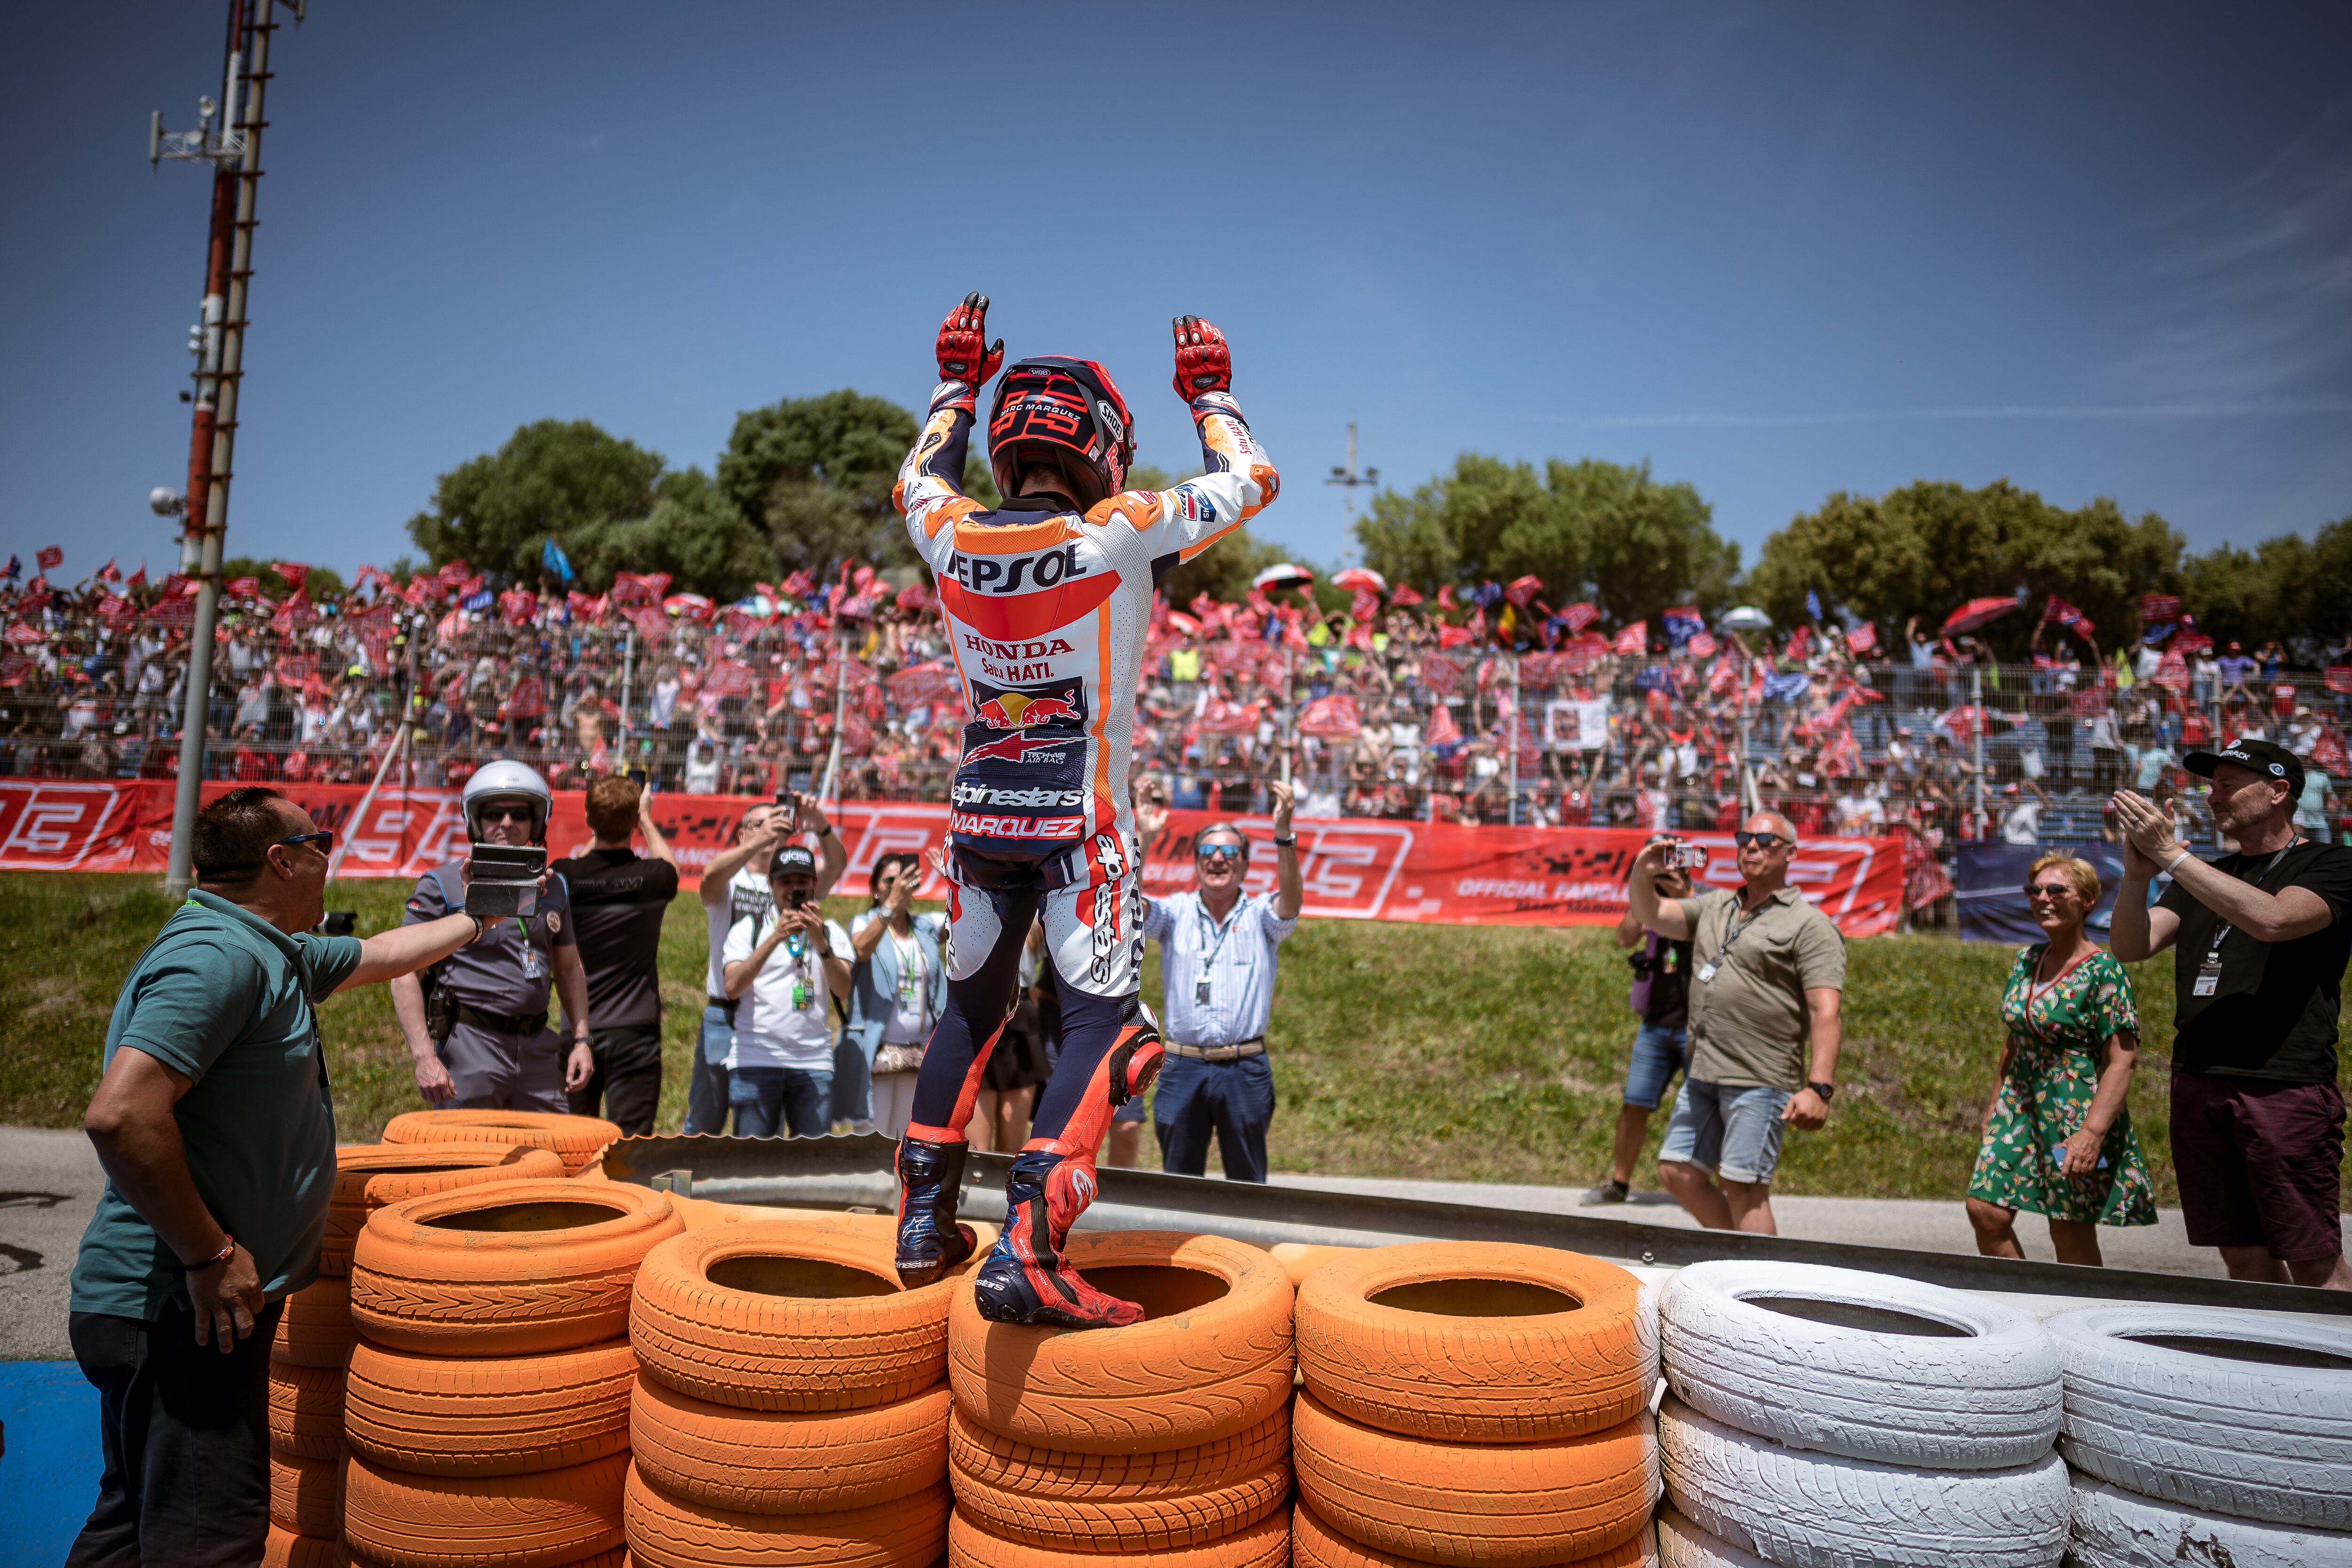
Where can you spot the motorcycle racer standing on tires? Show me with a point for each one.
(1046, 600)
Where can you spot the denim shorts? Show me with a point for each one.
(1734, 1133)
(1660, 1051)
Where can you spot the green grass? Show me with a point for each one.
(1471, 1053)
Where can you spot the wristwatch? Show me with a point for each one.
(1828, 1091)
(1289, 843)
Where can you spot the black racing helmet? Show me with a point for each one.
(1069, 410)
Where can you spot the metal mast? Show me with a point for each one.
(1347, 478)
(235, 156)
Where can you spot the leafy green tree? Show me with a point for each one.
(551, 479)
(1588, 530)
(689, 531)
(2283, 587)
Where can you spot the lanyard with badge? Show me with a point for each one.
(1733, 931)
(2209, 973)
(911, 974)
(1209, 957)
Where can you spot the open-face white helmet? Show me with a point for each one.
(507, 781)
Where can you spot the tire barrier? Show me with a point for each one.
(1169, 1437)
(1315, 1544)
(497, 1416)
(398, 1520)
(2117, 1529)
(398, 1171)
(1682, 1544)
(575, 1140)
(2220, 1413)
(790, 1405)
(306, 1496)
(315, 1327)
(286, 1548)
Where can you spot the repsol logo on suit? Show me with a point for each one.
(1016, 573)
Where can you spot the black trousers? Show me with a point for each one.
(184, 1433)
(627, 1078)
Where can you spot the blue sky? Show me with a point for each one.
(1776, 251)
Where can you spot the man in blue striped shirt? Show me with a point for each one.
(1217, 957)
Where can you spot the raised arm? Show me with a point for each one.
(1663, 916)
(929, 491)
(1239, 481)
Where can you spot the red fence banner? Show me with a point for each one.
(1354, 869)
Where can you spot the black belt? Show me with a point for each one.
(726, 1005)
(502, 1023)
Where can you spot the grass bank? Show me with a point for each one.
(1468, 1053)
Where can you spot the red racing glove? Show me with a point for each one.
(1203, 363)
(964, 352)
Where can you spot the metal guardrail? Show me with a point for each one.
(845, 1171)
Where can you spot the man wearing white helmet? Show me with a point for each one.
(485, 1044)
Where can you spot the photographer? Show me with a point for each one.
(216, 1131)
(1660, 998)
(899, 987)
(481, 1039)
(783, 968)
(619, 900)
(2260, 941)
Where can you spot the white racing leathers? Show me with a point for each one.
(1045, 613)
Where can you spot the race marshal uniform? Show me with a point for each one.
(499, 1051)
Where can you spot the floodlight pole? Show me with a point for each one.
(213, 440)
(1347, 478)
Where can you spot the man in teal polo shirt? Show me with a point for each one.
(213, 1122)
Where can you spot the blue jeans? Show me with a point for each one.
(706, 1086)
(795, 1098)
(1735, 1133)
(1232, 1101)
(852, 1097)
(1660, 1051)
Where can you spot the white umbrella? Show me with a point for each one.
(1746, 618)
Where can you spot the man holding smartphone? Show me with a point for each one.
(783, 968)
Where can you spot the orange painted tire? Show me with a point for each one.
(1315, 1544)
(1211, 1359)
(576, 1139)
(1007, 1465)
(500, 1415)
(790, 1315)
(1476, 1505)
(306, 1496)
(305, 1410)
(786, 1461)
(1167, 1522)
(315, 1328)
(1300, 1258)
(556, 1517)
(418, 1170)
(284, 1549)
(1265, 1544)
(507, 1268)
(665, 1532)
(1475, 1341)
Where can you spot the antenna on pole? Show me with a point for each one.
(1347, 478)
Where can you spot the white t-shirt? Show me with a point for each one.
(701, 768)
(770, 1031)
(2023, 824)
(747, 895)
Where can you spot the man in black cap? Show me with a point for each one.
(2261, 939)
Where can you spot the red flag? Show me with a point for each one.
(1442, 731)
(1441, 674)
(295, 572)
(48, 558)
(527, 700)
(2339, 678)
(1578, 616)
(2090, 701)
(2155, 609)
(1704, 646)
(2172, 671)
(454, 571)
(109, 573)
(1452, 636)
(242, 587)
(518, 605)
(1403, 595)
(795, 586)
(1864, 637)
(1365, 606)
(1634, 638)
(25, 635)
(1334, 717)
(138, 578)
(295, 670)
(2327, 752)
(639, 588)
(1219, 717)
(1445, 597)
(2067, 615)
(1523, 589)
(729, 678)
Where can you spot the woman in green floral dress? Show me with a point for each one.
(2057, 1136)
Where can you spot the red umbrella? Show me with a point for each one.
(1356, 577)
(1283, 575)
(1976, 613)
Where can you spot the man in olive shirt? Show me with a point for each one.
(218, 1135)
(1767, 973)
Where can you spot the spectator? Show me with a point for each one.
(1217, 959)
(2235, 669)
(898, 990)
(734, 886)
(216, 1132)
(1660, 998)
(780, 1072)
(2020, 821)
(2057, 1137)
(618, 904)
(1764, 1026)
(2260, 940)
(481, 1039)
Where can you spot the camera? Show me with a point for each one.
(504, 880)
(339, 923)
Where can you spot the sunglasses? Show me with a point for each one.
(1761, 840)
(2047, 890)
(324, 839)
(1220, 852)
(504, 814)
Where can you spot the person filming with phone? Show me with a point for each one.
(1764, 1025)
(784, 967)
(1660, 998)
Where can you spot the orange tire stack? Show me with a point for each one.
(1479, 1405)
(575, 1140)
(315, 1334)
(487, 1410)
(790, 1404)
(1169, 1437)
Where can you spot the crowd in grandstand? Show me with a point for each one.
(1488, 707)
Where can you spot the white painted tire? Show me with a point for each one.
(1988, 1398)
(2245, 1438)
(1792, 1507)
(1682, 1544)
(2117, 1529)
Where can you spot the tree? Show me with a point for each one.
(1588, 530)
(813, 475)
(551, 479)
(2285, 587)
(689, 531)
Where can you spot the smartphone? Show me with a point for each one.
(795, 898)
(638, 778)
(791, 808)
(1686, 857)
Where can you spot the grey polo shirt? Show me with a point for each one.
(1748, 1026)
(512, 968)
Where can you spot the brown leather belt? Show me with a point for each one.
(1253, 1047)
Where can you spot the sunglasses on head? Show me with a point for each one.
(1761, 840)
